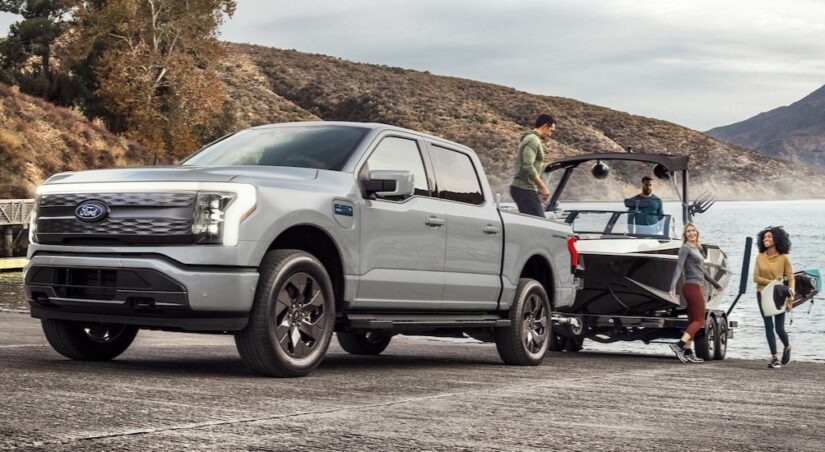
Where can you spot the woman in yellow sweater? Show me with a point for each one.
(773, 263)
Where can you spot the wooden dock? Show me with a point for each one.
(12, 263)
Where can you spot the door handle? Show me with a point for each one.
(435, 221)
(491, 229)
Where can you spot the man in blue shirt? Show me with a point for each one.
(645, 210)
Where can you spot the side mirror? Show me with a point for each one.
(386, 183)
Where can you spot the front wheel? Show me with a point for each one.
(574, 344)
(525, 341)
(292, 318)
(369, 343)
(84, 341)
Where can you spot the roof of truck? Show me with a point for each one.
(377, 126)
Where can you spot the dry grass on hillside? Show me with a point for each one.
(38, 139)
(491, 118)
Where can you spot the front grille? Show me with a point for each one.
(183, 199)
(132, 219)
(117, 226)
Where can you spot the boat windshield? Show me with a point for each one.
(320, 147)
(618, 223)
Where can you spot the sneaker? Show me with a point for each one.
(692, 358)
(679, 351)
(774, 363)
(786, 356)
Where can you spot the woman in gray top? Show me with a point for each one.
(691, 261)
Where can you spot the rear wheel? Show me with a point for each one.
(526, 340)
(706, 340)
(88, 341)
(721, 338)
(292, 318)
(363, 343)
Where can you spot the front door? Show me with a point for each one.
(402, 240)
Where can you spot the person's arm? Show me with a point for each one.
(680, 265)
(789, 273)
(710, 279)
(528, 159)
(660, 213)
(757, 277)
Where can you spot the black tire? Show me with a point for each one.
(292, 318)
(526, 340)
(573, 344)
(84, 341)
(556, 343)
(706, 340)
(363, 343)
(721, 338)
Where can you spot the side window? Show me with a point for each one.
(457, 177)
(400, 154)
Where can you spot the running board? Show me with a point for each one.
(423, 321)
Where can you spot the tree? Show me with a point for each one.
(154, 65)
(26, 53)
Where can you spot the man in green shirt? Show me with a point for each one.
(527, 189)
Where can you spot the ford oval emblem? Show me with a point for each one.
(91, 211)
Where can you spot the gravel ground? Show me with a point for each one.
(181, 392)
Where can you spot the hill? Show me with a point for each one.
(266, 85)
(38, 139)
(491, 118)
(795, 132)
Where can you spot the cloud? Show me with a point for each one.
(700, 63)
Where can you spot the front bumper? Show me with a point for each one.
(151, 291)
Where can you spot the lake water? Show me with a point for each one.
(726, 224)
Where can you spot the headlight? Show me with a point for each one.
(210, 212)
(33, 221)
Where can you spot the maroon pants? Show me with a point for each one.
(695, 308)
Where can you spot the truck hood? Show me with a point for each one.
(182, 174)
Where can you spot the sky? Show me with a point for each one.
(698, 63)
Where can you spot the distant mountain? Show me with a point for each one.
(795, 132)
(272, 85)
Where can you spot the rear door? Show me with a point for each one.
(474, 235)
(402, 240)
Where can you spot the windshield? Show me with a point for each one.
(608, 222)
(318, 147)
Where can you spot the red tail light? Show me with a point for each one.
(574, 254)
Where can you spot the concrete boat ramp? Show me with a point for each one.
(183, 392)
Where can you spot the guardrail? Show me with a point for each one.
(16, 212)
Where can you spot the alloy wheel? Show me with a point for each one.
(299, 315)
(534, 324)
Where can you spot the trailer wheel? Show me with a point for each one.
(369, 343)
(721, 337)
(706, 340)
(292, 318)
(525, 341)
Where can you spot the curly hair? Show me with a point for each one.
(781, 239)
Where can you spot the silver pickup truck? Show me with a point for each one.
(284, 234)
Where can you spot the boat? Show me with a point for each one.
(625, 267)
